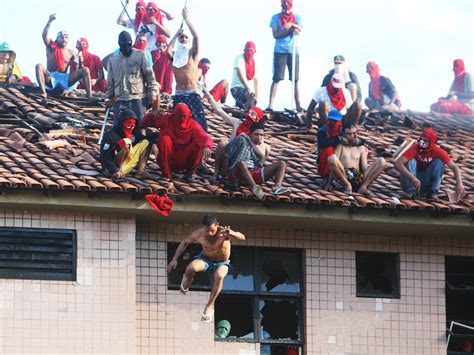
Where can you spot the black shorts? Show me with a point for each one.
(282, 60)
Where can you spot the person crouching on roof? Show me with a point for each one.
(124, 148)
(182, 142)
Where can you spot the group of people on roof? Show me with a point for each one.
(140, 74)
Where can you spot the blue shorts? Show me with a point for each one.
(210, 265)
(60, 80)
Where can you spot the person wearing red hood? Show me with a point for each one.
(141, 42)
(285, 26)
(244, 85)
(162, 66)
(382, 93)
(149, 19)
(123, 148)
(220, 90)
(182, 142)
(422, 168)
(460, 98)
(58, 57)
(93, 63)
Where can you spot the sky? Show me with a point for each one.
(413, 41)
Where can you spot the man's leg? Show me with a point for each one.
(217, 281)
(405, 182)
(195, 266)
(297, 80)
(276, 170)
(338, 171)
(218, 157)
(273, 91)
(372, 172)
(139, 107)
(220, 90)
(165, 146)
(242, 173)
(431, 177)
(193, 156)
(353, 113)
(83, 74)
(143, 160)
(371, 104)
(353, 90)
(279, 64)
(42, 77)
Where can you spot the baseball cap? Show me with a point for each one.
(339, 58)
(337, 81)
(334, 115)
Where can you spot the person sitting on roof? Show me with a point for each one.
(382, 93)
(329, 137)
(254, 114)
(460, 98)
(422, 168)
(58, 58)
(9, 71)
(349, 170)
(162, 66)
(244, 86)
(182, 142)
(242, 164)
(123, 148)
(352, 83)
(333, 96)
(93, 63)
(149, 19)
(220, 90)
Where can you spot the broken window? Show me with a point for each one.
(377, 274)
(279, 271)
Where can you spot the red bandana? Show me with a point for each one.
(140, 44)
(139, 14)
(156, 14)
(337, 96)
(82, 45)
(244, 127)
(333, 127)
(128, 125)
(58, 55)
(459, 75)
(182, 128)
(374, 85)
(249, 51)
(161, 204)
(287, 5)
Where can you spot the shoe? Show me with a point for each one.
(258, 192)
(432, 196)
(203, 169)
(281, 190)
(408, 195)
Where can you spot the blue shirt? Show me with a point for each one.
(285, 44)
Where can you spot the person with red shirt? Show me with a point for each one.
(94, 64)
(422, 168)
(162, 66)
(182, 142)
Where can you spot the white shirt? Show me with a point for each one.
(322, 95)
(239, 63)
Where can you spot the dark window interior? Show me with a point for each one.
(238, 311)
(279, 319)
(459, 301)
(267, 349)
(377, 274)
(280, 271)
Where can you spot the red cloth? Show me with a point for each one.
(249, 52)
(337, 97)
(244, 127)
(173, 157)
(161, 204)
(323, 167)
(128, 125)
(334, 127)
(140, 42)
(25, 79)
(58, 55)
(218, 91)
(451, 106)
(424, 158)
(139, 14)
(374, 86)
(284, 17)
(94, 64)
(204, 69)
(163, 69)
(156, 14)
(459, 75)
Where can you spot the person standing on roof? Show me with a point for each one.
(460, 98)
(162, 66)
(383, 95)
(93, 63)
(422, 168)
(244, 86)
(58, 57)
(285, 26)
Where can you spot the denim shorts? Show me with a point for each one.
(210, 265)
(282, 60)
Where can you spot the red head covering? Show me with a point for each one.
(82, 45)
(156, 14)
(337, 97)
(286, 5)
(374, 86)
(161, 204)
(128, 125)
(466, 345)
(459, 75)
(140, 42)
(430, 135)
(139, 13)
(244, 127)
(182, 124)
(204, 68)
(249, 51)
(161, 39)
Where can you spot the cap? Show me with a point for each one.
(335, 115)
(337, 81)
(223, 329)
(339, 58)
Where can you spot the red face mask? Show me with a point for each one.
(82, 45)
(204, 67)
(286, 5)
(458, 67)
(334, 127)
(128, 125)
(140, 43)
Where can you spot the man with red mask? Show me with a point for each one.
(94, 64)
(58, 57)
(422, 168)
(141, 42)
(333, 96)
(382, 93)
(149, 19)
(123, 148)
(182, 142)
(244, 86)
(220, 90)
(461, 94)
(285, 26)
(162, 66)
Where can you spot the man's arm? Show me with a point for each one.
(169, 15)
(192, 29)
(170, 48)
(228, 119)
(180, 250)
(310, 113)
(457, 174)
(400, 166)
(110, 91)
(162, 28)
(149, 78)
(259, 149)
(46, 39)
(243, 79)
(229, 233)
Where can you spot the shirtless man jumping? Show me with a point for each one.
(214, 258)
(58, 58)
(348, 165)
(185, 70)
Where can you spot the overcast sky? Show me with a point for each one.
(414, 42)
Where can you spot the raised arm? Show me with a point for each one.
(162, 28)
(228, 119)
(228, 233)
(45, 36)
(169, 15)
(170, 48)
(192, 29)
(180, 250)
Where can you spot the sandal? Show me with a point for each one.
(281, 190)
(258, 192)
(181, 287)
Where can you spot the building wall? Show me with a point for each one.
(337, 322)
(93, 315)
